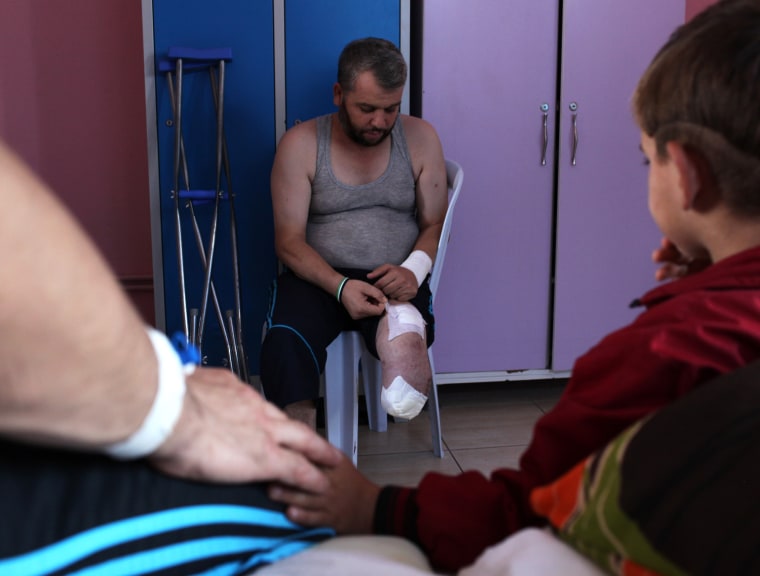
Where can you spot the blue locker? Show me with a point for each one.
(245, 27)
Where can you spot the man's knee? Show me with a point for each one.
(289, 367)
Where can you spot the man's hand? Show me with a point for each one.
(396, 282)
(228, 433)
(362, 300)
(347, 505)
(674, 264)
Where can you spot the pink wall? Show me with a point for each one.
(72, 104)
(693, 7)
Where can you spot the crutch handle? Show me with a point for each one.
(201, 195)
(209, 55)
(166, 65)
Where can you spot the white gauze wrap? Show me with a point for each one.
(404, 318)
(401, 400)
(167, 404)
(419, 263)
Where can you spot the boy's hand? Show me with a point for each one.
(674, 264)
(347, 505)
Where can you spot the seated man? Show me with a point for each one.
(359, 198)
(697, 109)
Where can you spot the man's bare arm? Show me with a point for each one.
(73, 346)
(291, 195)
(398, 282)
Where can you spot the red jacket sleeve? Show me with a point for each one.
(453, 518)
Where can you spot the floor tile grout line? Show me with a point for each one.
(538, 405)
(451, 453)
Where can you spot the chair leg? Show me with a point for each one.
(341, 409)
(372, 377)
(341, 402)
(435, 415)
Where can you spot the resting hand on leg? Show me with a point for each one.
(227, 432)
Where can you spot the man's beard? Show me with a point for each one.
(358, 135)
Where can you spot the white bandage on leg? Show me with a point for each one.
(404, 318)
(401, 400)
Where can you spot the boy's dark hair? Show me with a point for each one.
(377, 55)
(702, 90)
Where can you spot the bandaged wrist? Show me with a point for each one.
(420, 264)
(167, 404)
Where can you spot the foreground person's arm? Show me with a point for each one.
(77, 368)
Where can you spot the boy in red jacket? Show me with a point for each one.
(697, 107)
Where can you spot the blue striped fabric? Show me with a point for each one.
(256, 549)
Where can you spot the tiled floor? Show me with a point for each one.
(484, 426)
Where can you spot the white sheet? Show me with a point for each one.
(530, 552)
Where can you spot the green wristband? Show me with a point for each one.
(339, 292)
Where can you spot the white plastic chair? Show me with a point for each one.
(341, 373)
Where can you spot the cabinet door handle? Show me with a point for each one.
(545, 110)
(574, 110)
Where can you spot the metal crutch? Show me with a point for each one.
(198, 59)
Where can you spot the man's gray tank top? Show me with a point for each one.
(368, 225)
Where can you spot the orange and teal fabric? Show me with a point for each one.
(583, 504)
(674, 494)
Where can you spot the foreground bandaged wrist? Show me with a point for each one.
(420, 264)
(167, 405)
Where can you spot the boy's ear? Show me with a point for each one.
(693, 174)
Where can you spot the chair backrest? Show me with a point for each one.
(454, 177)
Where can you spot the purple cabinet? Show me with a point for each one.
(552, 238)
(486, 73)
